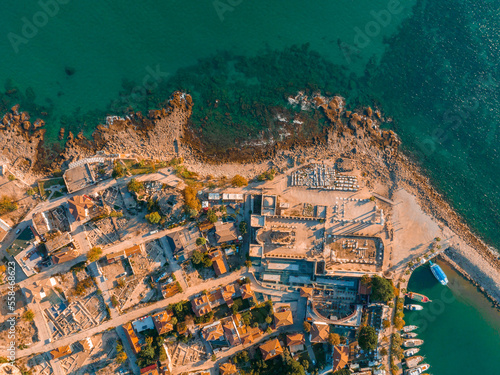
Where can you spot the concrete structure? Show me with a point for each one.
(78, 178)
(225, 232)
(58, 242)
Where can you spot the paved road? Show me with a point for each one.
(132, 315)
(130, 354)
(172, 264)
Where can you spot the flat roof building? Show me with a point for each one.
(58, 242)
(78, 178)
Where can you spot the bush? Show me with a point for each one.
(239, 181)
(153, 217)
(114, 301)
(268, 175)
(243, 228)
(121, 357)
(118, 170)
(7, 204)
(135, 186)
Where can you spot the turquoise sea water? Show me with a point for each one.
(433, 66)
(460, 328)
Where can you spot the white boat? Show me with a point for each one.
(414, 307)
(417, 370)
(410, 352)
(409, 328)
(412, 343)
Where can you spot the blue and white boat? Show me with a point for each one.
(438, 273)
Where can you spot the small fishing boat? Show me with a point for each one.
(409, 328)
(410, 352)
(412, 343)
(414, 361)
(418, 297)
(413, 307)
(409, 335)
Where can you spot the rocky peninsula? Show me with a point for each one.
(353, 135)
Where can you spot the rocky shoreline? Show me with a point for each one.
(353, 134)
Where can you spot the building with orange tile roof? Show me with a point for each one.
(83, 208)
(219, 263)
(230, 331)
(61, 351)
(201, 305)
(228, 368)
(213, 331)
(306, 292)
(340, 357)
(150, 370)
(228, 292)
(295, 342)
(271, 349)
(162, 323)
(132, 338)
(283, 318)
(246, 291)
(319, 332)
(248, 335)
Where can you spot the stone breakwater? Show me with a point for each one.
(451, 258)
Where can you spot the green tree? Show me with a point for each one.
(366, 280)
(307, 327)
(196, 257)
(243, 228)
(135, 186)
(382, 289)
(367, 338)
(94, 254)
(121, 357)
(153, 217)
(214, 357)
(200, 241)
(269, 320)
(239, 181)
(334, 339)
(212, 216)
(118, 170)
(191, 198)
(29, 315)
(207, 262)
